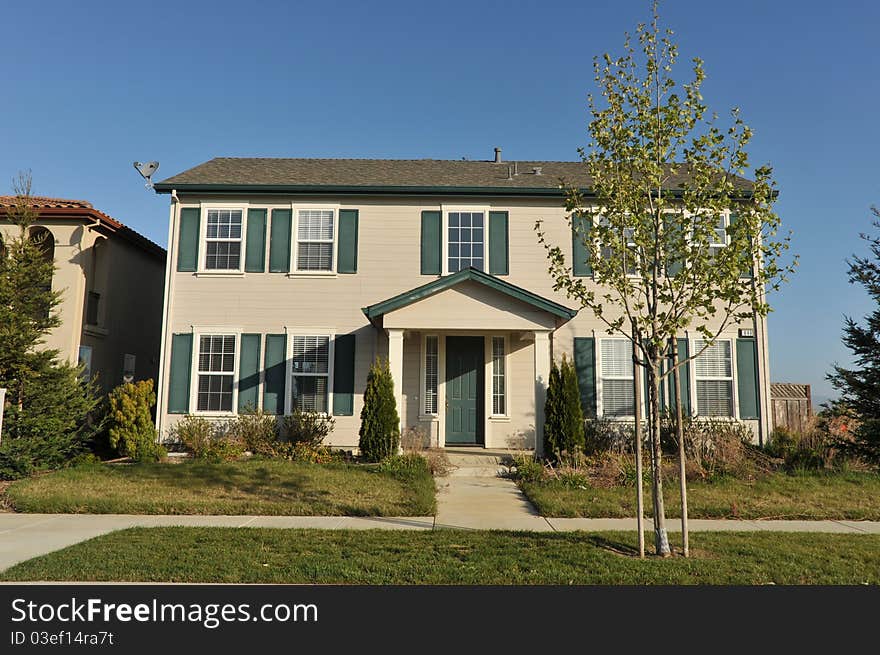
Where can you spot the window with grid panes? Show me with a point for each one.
(223, 240)
(216, 372)
(465, 241)
(499, 400)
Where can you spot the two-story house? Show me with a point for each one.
(287, 278)
(110, 279)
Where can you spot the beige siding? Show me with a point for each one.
(389, 264)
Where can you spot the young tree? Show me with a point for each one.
(48, 406)
(860, 387)
(675, 237)
(380, 422)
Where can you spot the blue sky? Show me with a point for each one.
(93, 86)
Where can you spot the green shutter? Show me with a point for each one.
(188, 239)
(249, 373)
(279, 241)
(580, 255)
(431, 243)
(585, 365)
(684, 373)
(747, 378)
(275, 364)
(343, 375)
(498, 246)
(179, 375)
(255, 257)
(348, 241)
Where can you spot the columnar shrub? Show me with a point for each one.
(563, 416)
(131, 429)
(380, 423)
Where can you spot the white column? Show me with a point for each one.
(542, 379)
(395, 363)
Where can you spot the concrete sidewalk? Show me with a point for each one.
(467, 503)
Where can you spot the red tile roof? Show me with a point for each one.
(81, 209)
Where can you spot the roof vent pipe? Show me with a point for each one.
(510, 172)
(536, 170)
(497, 155)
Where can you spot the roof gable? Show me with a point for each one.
(375, 312)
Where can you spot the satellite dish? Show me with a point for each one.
(146, 170)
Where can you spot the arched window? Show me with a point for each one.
(43, 239)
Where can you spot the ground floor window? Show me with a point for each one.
(216, 372)
(499, 400)
(310, 373)
(431, 373)
(617, 377)
(714, 376)
(85, 360)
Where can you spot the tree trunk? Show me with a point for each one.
(637, 430)
(679, 435)
(661, 539)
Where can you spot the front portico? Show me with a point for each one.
(470, 355)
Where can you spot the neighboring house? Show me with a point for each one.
(287, 278)
(110, 279)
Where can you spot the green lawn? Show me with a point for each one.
(260, 555)
(247, 487)
(852, 495)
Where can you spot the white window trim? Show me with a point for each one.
(599, 245)
(444, 232)
(424, 414)
(194, 368)
(288, 365)
(695, 406)
(600, 391)
(204, 271)
(295, 208)
(491, 376)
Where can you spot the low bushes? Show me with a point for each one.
(299, 437)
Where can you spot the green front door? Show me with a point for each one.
(464, 390)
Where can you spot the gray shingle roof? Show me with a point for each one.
(419, 174)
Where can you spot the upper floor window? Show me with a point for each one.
(315, 240)
(719, 239)
(223, 240)
(465, 241)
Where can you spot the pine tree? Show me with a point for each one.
(563, 416)
(552, 411)
(860, 387)
(380, 422)
(48, 406)
(573, 414)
